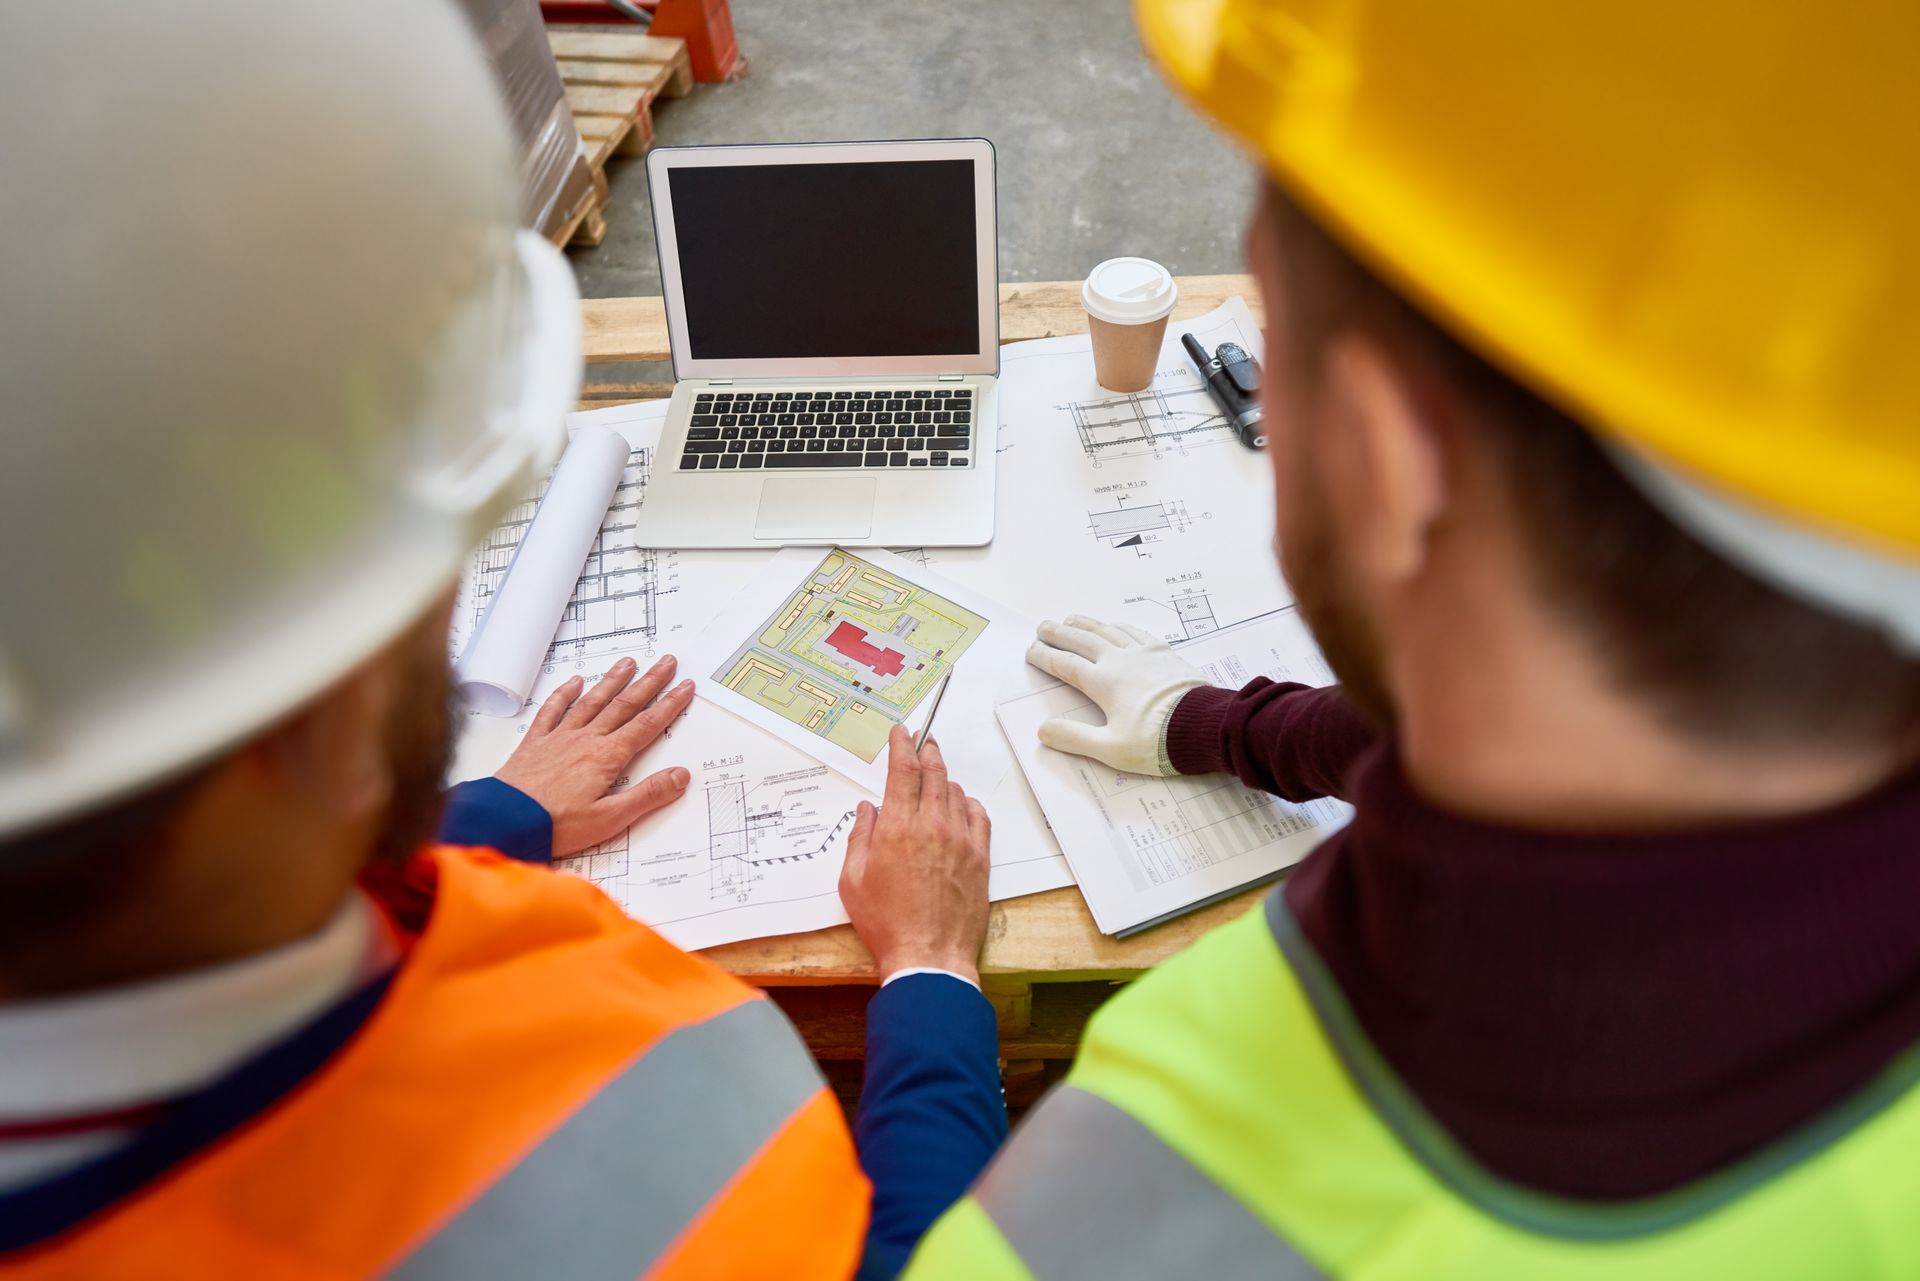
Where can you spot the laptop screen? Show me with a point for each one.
(828, 260)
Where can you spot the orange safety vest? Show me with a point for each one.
(547, 1090)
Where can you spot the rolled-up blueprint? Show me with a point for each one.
(502, 659)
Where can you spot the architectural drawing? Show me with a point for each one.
(741, 839)
(1150, 422)
(1137, 527)
(1194, 609)
(615, 608)
(1185, 614)
(757, 831)
(850, 652)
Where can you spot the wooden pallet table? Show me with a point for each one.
(634, 330)
(612, 79)
(1046, 968)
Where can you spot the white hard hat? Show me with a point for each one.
(273, 356)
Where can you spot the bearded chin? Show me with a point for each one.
(419, 745)
(1311, 560)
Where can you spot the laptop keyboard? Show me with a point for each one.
(876, 428)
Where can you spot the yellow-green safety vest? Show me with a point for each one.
(1228, 1118)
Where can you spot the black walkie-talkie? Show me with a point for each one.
(1233, 380)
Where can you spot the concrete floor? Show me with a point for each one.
(1095, 157)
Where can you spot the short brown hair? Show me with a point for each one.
(1719, 652)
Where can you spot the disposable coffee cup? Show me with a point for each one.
(1127, 301)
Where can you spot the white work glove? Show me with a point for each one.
(1136, 679)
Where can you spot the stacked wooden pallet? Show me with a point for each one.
(612, 79)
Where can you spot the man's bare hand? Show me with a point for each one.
(580, 743)
(915, 879)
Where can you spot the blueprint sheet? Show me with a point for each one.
(1139, 507)
(754, 848)
(1145, 849)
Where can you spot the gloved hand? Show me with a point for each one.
(1136, 679)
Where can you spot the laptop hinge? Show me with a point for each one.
(950, 378)
(719, 382)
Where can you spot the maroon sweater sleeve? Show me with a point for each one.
(1295, 741)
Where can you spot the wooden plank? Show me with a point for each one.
(603, 134)
(1060, 1014)
(613, 46)
(1042, 937)
(586, 226)
(591, 196)
(635, 329)
(601, 395)
(591, 100)
(623, 47)
(639, 139)
(833, 1020)
(623, 329)
(680, 83)
(1051, 308)
(590, 232)
(1012, 1005)
(639, 75)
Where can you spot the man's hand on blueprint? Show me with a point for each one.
(1134, 677)
(915, 879)
(579, 743)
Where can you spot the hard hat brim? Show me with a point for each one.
(1631, 362)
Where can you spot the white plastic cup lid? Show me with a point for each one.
(1129, 291)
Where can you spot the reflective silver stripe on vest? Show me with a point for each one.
(603, 1196)
(1086, 1193)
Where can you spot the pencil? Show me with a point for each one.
(920, 740)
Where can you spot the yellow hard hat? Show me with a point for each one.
(1694, 226)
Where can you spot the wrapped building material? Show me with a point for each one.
(555, 178)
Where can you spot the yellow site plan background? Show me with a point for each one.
(851, 652)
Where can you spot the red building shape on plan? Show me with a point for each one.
(852, 642)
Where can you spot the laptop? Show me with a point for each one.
(834, 315)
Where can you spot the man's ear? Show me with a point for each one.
(1386, 462)
(332, 754)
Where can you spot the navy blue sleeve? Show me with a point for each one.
(931, 1111)
(498, 816)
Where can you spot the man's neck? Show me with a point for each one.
(225, 883)
(1522, 726)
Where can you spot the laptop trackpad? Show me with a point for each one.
(815, 507)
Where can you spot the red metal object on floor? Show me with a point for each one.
(706, 26)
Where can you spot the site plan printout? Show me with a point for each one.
(1146, 849)
(830, 649)
(754, 846)
(851, 653)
